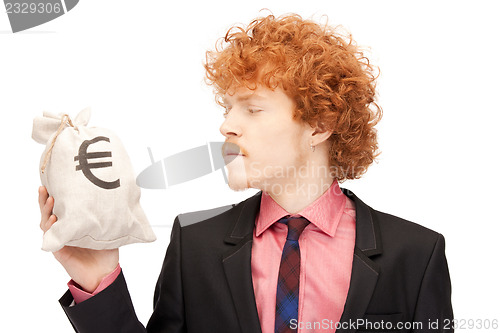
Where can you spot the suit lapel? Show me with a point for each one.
(365, 271)
(237, 265)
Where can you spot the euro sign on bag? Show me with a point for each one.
(90, 176)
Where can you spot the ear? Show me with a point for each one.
(320, 134)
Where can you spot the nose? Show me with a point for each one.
(230, 126)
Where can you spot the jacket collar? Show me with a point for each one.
(368, 238)
(244, 225)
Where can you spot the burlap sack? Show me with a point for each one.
(89, 174)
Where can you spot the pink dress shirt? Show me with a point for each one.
(326, 248)
(326, 253)
(80, 295)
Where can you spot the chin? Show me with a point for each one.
(237, 186)
(237, 176)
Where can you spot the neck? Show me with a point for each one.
(299, 192)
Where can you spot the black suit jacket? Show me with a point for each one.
(399, 275)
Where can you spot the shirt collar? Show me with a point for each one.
(325, 212)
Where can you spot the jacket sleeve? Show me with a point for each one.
(434, 309)
(112, 310)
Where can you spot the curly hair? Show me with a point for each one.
(326, 74)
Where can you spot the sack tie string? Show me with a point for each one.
(65, 121)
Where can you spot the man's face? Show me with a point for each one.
(273, 146)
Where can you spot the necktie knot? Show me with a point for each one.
(295, 226)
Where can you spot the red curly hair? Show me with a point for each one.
(330, 80)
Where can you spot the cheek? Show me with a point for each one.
(280, 149)
(291, 138)
(276, 139)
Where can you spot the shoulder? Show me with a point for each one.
(391, 229)
(401, 227)
(190, 218)
(205, 231)
(406, 239)
(229, 212)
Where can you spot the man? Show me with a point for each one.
(302, 255)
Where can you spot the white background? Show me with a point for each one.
(138, 64)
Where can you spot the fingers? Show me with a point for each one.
(45, 225)
(46, 205)
(42, 196)
(47, 208)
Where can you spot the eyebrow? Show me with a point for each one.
(245, 97)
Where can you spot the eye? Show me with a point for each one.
(252, 110)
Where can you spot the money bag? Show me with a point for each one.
(90, 176)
